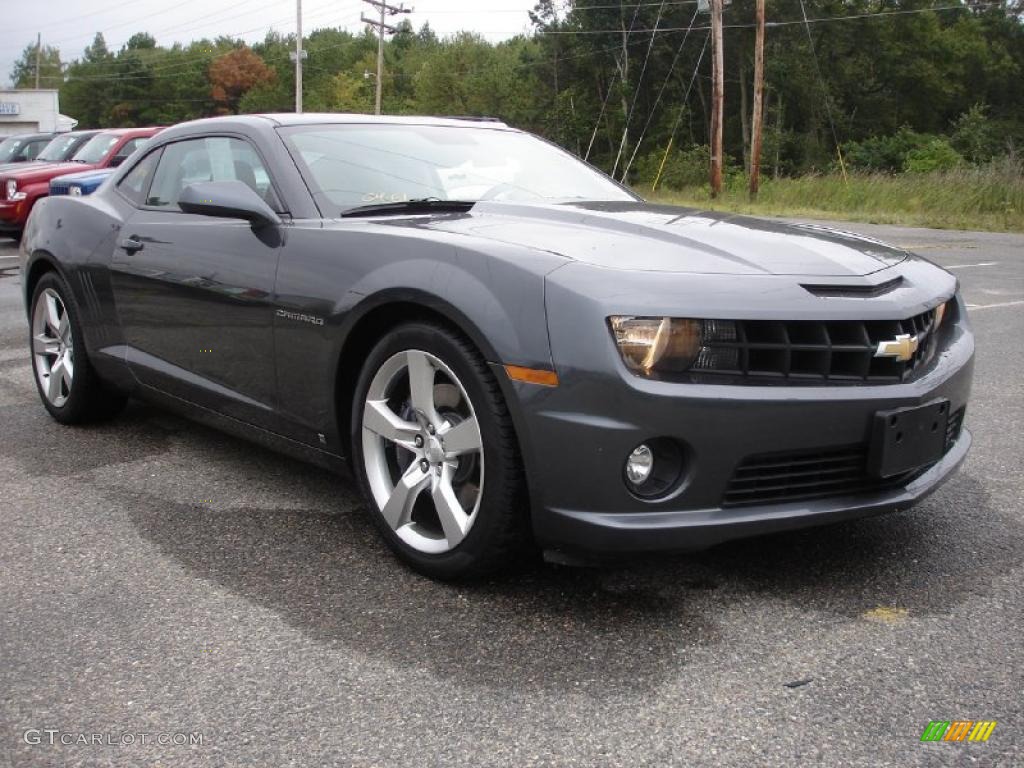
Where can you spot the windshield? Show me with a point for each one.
(96, 148)
(9, 149)
(347, 166)
(57, 150)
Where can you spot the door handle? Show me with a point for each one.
(131, 244)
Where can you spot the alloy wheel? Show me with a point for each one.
(423, 451)
(53, 348)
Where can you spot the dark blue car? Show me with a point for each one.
(79, 184)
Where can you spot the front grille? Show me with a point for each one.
(833, 351)
(786, 477)
(953, 426)
(59, 187)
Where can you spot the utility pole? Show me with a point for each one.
(757, 119)
(298, 57)
(717, 96)
(382, 29)
(39, 55)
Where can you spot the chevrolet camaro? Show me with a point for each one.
(507, 349)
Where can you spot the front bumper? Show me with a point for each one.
(687, 530)
(12, 215)
(578, 435)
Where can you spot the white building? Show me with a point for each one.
(25, 111)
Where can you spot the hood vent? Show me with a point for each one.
(854, 291)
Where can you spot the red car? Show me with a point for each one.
(19, 189)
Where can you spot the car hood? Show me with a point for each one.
(45, 172)
(98, 175)
(6, 167)
(656, 238)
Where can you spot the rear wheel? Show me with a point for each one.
(436, 455)
(69, 388)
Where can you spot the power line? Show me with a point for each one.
(818, 20)
(824, 91)
(70, 19)
(682, 109)
(657, 100)
(624, 71)
(597, 124)
(636, 91)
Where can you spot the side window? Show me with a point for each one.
(126, 151)
(216, 158)
(133, 186)
(25, 152)
(34, 148)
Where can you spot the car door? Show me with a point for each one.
(194, 293)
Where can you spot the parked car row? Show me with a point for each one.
(31, 173)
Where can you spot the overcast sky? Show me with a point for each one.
(71, 24)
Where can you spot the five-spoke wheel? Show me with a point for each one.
(436, 454)
(52, 347)
(67, 385)
(422, 451)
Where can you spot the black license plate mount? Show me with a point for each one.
(907, 438)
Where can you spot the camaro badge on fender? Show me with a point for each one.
(901, 348)
(301, 317)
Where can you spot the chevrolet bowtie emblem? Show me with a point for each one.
(901, 348)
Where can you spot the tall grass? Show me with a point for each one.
(989, 197)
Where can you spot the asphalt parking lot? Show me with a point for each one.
(160, 578)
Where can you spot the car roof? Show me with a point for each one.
(317, 118)
(28, 136)
(129, 131)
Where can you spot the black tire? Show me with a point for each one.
(88, 399)
(500, 536)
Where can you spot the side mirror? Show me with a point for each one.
(227, 200)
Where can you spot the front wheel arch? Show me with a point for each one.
(379, 317)
(38, 265)
(372, 322)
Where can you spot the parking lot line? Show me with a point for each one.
(994, 306)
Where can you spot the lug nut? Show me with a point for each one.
(430, 428)
(425, 465)
(418, 441)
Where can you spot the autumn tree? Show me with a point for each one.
(235, 73)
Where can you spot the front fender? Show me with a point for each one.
(495, 301)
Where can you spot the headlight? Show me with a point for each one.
(75, 191)
(652, 345)
(12, 191)
(649, 344)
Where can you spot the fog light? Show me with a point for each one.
(655, 469)
(639, 465)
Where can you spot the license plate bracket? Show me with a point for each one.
(907, 438)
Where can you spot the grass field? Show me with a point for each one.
(989, 198)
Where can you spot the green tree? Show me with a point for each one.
(51, 72)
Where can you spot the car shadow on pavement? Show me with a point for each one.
(327, 574)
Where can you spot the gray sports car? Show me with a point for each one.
(505, 347)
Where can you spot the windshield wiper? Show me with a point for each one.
(418, 205)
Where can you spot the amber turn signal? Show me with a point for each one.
(532, 375)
